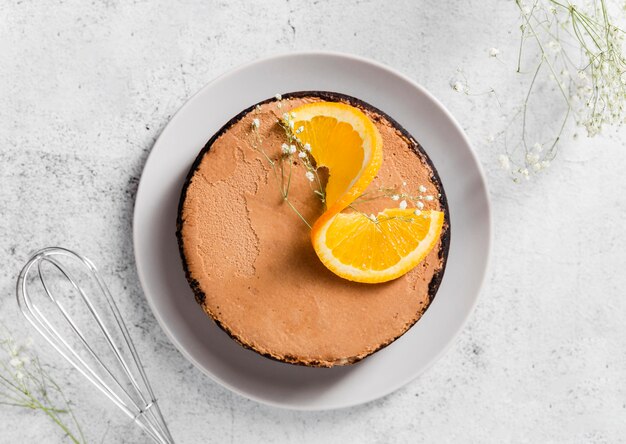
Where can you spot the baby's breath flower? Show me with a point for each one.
(285, 116)
(420, 205)
(284, 148)
(307, 147)
(291, 124)
(15, 362)
(505, 162)
(309, 175)
(493, 52)
(402, 205)
(429, 198)
(301, 154)
(292, 114)
(292, 149)
(422, 189)
(538, 147)
(417, 212)
(532, 158)
(300, 129)
(373, 218)
(458, 87)
(278, 97)
(525, 173)
(395, 197)
(256, 123)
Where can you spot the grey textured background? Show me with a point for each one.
(86, 87)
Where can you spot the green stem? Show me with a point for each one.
(59, 423)
(525, 106)
(66, 401)
(298, 213)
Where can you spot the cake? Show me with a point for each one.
(248, 256)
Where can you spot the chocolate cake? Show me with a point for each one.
(249, 260)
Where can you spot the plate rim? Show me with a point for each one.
(141, 272)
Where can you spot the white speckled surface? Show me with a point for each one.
(86, 88)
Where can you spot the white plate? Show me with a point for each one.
(210, 349)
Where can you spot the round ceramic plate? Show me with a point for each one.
(210, 349)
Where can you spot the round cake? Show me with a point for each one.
(248, 256)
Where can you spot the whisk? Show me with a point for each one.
(53, 287)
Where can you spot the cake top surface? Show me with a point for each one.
(251, 263)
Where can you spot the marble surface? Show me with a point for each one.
(87, 87)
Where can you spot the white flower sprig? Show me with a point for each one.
(404, 199)
(25, 383)
(304, 154)
(581, 51)
(283, 165)
(578, 49)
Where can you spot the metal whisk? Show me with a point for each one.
(56, 285)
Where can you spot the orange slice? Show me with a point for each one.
(350, 244)
(365, 249)
(346, 142)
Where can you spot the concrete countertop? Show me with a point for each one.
(87, 87)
